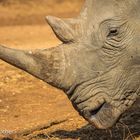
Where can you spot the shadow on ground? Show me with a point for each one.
(126, 129)
(87, 132)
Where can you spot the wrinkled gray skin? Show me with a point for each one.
(98, 63)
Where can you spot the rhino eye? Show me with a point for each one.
(113, 32)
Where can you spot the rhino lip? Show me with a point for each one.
(105, 116)
(93, 116)
(95, 111)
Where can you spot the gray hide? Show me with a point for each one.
(98, 63)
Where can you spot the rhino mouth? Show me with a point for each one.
(104, 117)
(93, 112)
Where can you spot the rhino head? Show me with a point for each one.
(98, 63)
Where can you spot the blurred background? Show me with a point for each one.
(24, 21)
(23, 12)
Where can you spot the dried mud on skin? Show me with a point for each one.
(31, 108)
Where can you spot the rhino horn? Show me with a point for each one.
(47, 64)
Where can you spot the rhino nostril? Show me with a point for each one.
(95, 111)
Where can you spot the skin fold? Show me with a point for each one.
(98, 63)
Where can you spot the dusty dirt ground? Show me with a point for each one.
(29, 108)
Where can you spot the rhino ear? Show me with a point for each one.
(62, 28)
